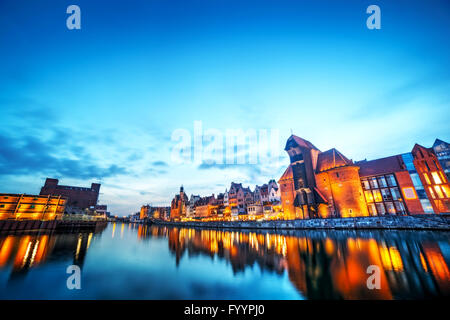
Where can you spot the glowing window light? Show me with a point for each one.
(446, 190)
(432, 192)
(377, 196)
(427, 179)
(436, 177)
(409, 193)
(439, 191)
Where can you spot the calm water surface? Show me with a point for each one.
(128, 261)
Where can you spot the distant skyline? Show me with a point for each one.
(100, 104)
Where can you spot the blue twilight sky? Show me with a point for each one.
(100, 104)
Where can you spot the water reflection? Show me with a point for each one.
(296, 264)
(328, 265)
(22, 252)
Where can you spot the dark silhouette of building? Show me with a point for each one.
(78, 197)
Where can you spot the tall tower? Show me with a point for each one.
(303, 157)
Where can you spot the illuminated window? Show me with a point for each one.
(386, 194)
(377, 196)
(442, 176)
(446, 190)
(439, 191)
(400, 207)
(427, 179)
(369, 196)
(432, 192)
(409, 193)
(380, 208)
(366, 184)
(372, 209)
(390, 207)
(436, 177)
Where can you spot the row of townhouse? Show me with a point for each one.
(235, 201)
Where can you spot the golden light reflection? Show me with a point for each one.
(113, 230)
(5, 250)
(305, 259)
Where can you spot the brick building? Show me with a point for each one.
(327, 184)
(78, 197)
(31, 207)
(179, 205)
(442, 151)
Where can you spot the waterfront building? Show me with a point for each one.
(274, 194)
(255, 209)
(226, 202)
(262, 194)
(339, 185)
(206, 207)
(78, 198)
(190, 208)
(327, 184)
(31, 207)
(442, 151)
(145, 211)
(237, 197)
(101, 209)
(300, 197)
(178, 205)
(432, 177)
(415, 182)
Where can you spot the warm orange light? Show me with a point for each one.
(409, 193)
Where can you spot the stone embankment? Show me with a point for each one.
(14, 226)
(420, 222)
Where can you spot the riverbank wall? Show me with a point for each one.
(416, 222)
(19, 226)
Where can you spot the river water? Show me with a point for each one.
(130, 261)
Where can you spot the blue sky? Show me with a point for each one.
(100, 104)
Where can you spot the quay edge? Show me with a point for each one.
(417, 222)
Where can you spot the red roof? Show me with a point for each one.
(381, 166)
(331, 159)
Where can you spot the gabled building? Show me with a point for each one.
(442, 151)
(299, 192)
(206, 207)
(178, 205)
(190, 208)
(274, 192)
(338, 182)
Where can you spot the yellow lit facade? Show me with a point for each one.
(31, 207)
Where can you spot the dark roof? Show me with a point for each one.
(381, 166)
(331, 159)
(300, 142)
(439, 141)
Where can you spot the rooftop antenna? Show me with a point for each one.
(291, 132)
